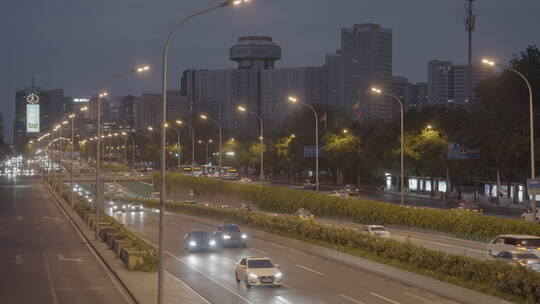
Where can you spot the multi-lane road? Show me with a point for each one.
(308, 278)
(43, 259)
(430, 240)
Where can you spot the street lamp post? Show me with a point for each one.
(531, 121)
(205, 117)
(295, 100)
(72, 117)
(98, 161)
(243, 109)
(65, 122)
(98, 143)
(162, 196)
(179, 122)
(379, 91)
(177, 142)
(206, 143)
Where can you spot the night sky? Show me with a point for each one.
(77, 45)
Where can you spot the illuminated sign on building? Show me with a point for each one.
(32, 118)
(81, 99)
(32, 113)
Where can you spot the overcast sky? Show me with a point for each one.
(77, 44)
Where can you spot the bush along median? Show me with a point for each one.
(136, 253)
(491, 277)
(463, 225)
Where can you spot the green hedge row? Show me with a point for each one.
(277, 199)
(491, 277)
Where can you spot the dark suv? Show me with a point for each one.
(230, 235)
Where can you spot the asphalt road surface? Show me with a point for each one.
(308, 278)
(430, 240)
(42, 257)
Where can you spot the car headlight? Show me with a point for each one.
(226, 237)
(278, 275)
(253, 276)
(212, 243)
(244, 236)
(192, 243)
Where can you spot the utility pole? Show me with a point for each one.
(470, 21)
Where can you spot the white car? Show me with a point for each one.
(513, 243)
(376, 230)
(528, 216)
(258, 271)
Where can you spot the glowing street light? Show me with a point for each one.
(379, 92)
(180, 123)
(531, 120)
(261, 137)
(162, 196)
(295, 100)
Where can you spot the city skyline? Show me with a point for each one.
(84, 64)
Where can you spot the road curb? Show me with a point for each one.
(447, 290)
(76, 223)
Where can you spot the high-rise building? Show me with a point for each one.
(127, 112)
(416, 96)
(413, 96)
(364, 60)
(148, 109)
(448, 83)
(35, 112)
(255, 84)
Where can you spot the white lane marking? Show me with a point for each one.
(189, 288)
(257, 250)
(384, 298)
(208, 277)
(62, 258)
(346, 297)
(417, 297)
(51, 284)
(282, 299)
(309, 269)
(454, 246)
(51, 218)
(18, 259)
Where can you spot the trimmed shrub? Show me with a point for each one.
(463, 225)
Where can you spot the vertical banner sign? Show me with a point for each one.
(32, 118)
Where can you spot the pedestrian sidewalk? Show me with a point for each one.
(142, 286)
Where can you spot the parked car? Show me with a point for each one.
(528, 216)
(245, 207)
(513, 243)
(257, 271)
(376, 230)
(199, 240)
(351, 190)
(245, 180)
(310, 184)
(520, 258)
(304, 214)
(230, 235)
(469, 207)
